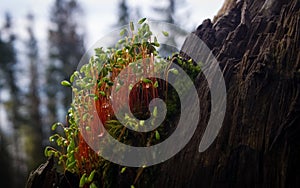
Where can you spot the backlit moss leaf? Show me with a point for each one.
(102, 57)
(54, 126)
(141, 21)
(165, 33)
(131, 26)
(71, 165)
(71, 146)
(93, 185)
(155, 111)
(102, 93)
(82, 69)
(119, 52)
(91, 176)
(123, 170)
(126, 117)
(49, 151)
(104, 71)
(157, 136)
(121, 41)
(54, 137)
(119, 60)
(89, 85)
(110, 83)
(142, 122)
(123, 31)
(130, 87)
(82, 180)
(156, 44)
(72, 78)
(66, 83)
(118, 87)
(174, 71)
(145, 80)
(85, 116)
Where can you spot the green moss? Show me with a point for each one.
(130, 49)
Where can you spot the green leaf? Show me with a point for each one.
(126, 116)
(71, 165)
(130, 87)
(89, 85)
(155, 85)
(120, 60)
(141, 20)
(72, 78)
(118, 87)
(174, 71)
(123, 170)
(102, 93)
(110, 83)
(131, 26)
(123, 31)
(145, 80)
(157, 136)
(165, 33)
(155, 111)
(156, 44)
(53, 137)
(91, 176)
(66, 83)
(82, 180)
(49, 151)
(142, 122)
(105, 79)
(85, 116)
(121, 41)
(54, 126)
(71, 146)
(83, 68)
(119, 52)
(93, 185)
(102, 57)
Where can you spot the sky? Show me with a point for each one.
(99, 18)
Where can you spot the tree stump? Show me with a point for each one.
(257, 46)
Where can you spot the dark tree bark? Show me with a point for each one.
(257, 46)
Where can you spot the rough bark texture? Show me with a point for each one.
(257, 45)
(227, 6)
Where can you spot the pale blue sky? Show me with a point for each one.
(99, 15)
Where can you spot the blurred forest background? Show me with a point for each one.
(31, 97)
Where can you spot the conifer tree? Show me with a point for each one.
(66, 47)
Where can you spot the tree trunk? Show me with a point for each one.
(257, 46)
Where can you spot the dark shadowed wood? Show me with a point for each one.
(257, 45)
